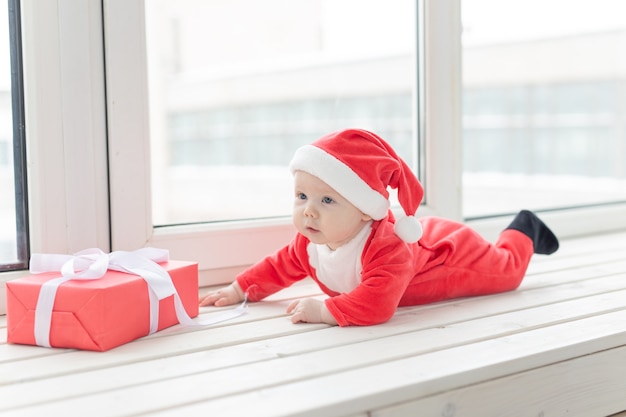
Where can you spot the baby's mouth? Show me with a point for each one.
(311, 229)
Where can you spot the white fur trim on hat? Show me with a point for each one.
(341, 178)
(408, 228)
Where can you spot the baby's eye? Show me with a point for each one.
(327, 200)
(301, 196)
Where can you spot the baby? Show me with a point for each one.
(365, 260)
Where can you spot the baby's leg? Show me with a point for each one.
(473, 266)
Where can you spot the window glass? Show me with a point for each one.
(544, 121)
(233, 94)
(13, 229)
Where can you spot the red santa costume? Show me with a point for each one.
(390, 262)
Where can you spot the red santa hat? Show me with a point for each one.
(360, 166)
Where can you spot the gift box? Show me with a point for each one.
(100, 314)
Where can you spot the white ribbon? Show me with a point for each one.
(93, 264)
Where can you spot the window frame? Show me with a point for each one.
(19, 142)
(66, 125)
(232, 245)
(65, 115)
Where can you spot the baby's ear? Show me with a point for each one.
(366, 217)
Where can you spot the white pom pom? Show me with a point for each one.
(408, 228)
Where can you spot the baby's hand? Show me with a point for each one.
(310, 310)
(223, 297)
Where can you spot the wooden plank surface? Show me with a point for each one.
(590, 385)
(565, 320)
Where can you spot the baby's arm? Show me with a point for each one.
(223, 297)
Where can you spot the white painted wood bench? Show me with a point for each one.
(554, 347)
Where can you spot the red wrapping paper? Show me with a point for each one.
(98, 314)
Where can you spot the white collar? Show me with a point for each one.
(340, 269)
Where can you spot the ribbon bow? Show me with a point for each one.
(93, 264)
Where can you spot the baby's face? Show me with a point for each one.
(321, 214)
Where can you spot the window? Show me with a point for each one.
(13, 219)
(218, 246)
(232, 95)
(544, 125)
(223, 246)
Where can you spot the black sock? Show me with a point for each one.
(544, 241)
